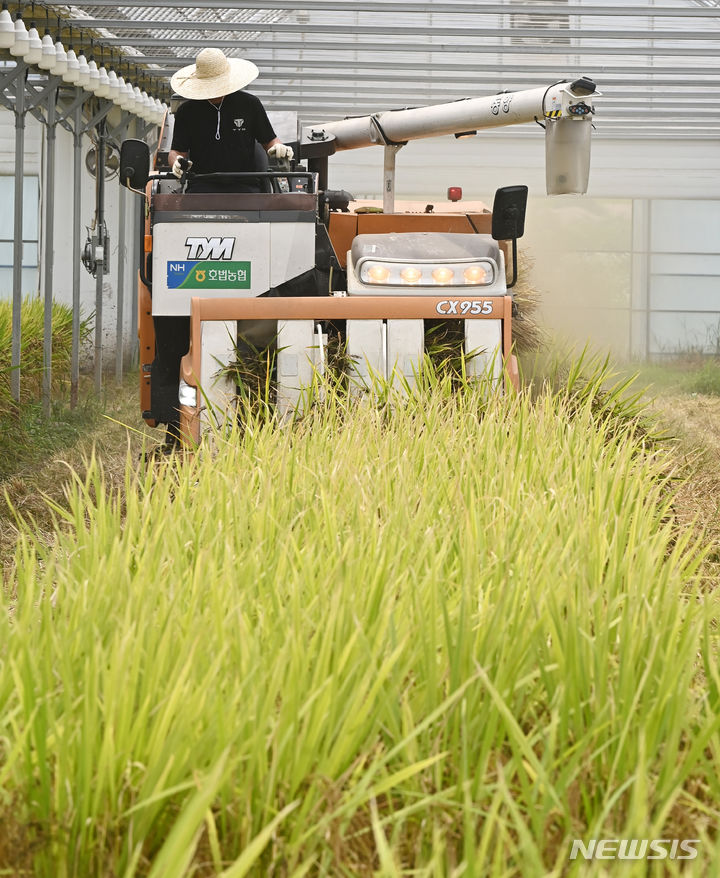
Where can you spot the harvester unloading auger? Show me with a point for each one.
(305, 259)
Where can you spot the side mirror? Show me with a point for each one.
(134, 164)
(508, 213)
(508, 219)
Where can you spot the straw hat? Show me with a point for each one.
(213, 75)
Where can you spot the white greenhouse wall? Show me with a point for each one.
(31, 204)
(648, 168)
(680, 272)
(64, 257)
(33, 144)
(31, 231)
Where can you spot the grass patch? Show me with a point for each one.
(686, 375)
(38, 469)
(706, 379)
(31, 351)
(26, 435)
(31, 436)
(431, 639)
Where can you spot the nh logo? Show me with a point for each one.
(210, 248)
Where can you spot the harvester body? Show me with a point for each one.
(299, 262)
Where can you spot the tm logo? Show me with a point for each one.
(210, 248)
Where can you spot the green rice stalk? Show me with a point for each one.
(455, 634)
(31, 351)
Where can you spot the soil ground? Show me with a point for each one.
(695, 422)
(691, 419)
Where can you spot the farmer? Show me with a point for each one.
(217, 128)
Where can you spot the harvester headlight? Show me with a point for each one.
(411, 274)
(443, 274)
(187, 394)
(475, 274)
(479, 272)
(378, 274)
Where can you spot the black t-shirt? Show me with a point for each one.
(243, 121)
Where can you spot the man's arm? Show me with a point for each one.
(180, 136)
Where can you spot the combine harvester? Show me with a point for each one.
(307, 260)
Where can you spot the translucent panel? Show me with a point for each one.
(685, 293)
(602, 328)
(577, 223)
(30, 254)
(685, 226)
(687, 264)
(684, 332)
(597, 280)
(30, 207)
(29, 284)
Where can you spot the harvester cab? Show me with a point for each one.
(227, 272)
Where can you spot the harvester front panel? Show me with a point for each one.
(203, 387)
(204, 245)
(469, 268)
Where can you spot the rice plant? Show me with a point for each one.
(31, 353)
(449, 640)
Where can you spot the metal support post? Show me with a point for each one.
(120, 315)
(8, 80)
(119, 133)
(38, 96)
(390, 151)
(77, 207)
(134, 260)
(99, 117)
(98, 243)
(16, 342)
(65, 110)
(48, 255)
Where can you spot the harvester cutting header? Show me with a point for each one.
(299, 261)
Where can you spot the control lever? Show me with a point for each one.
(185, 164)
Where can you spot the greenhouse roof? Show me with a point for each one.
(656, 66)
